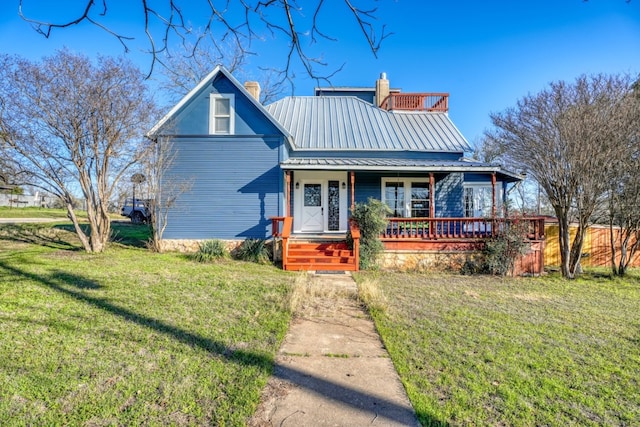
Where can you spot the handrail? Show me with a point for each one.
(276, 222)
(287, 225)
(355, 236)
(430, 102)
(458, 228)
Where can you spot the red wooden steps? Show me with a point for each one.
(318, 255)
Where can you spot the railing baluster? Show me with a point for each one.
(459, 228)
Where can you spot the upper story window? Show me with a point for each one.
(221, 116)
(406, 197)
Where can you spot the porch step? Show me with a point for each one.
(320, 255)
(321, 267)
(320, 259)
(337, 253)
(318, 245)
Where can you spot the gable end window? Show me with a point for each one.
(221, 114)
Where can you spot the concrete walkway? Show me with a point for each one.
(332, 369)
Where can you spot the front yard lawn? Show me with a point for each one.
(515, 352)
(130, 337)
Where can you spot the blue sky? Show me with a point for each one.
(487, 54)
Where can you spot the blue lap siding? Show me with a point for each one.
(236, 185)
(235, 181)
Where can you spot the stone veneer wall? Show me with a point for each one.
(426, 260)
(192, 246)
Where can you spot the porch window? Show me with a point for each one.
(419, 199)
(394, 197)
(406, 197)
(477, 201)
(221, 117)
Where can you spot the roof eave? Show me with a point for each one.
(511, 176)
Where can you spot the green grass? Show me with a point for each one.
(130, 337)
(33, 212)
(518, 352)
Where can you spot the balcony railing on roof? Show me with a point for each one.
(431, 102)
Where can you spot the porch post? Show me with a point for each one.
(432, 205)
(352, 176)
(493, 194)
(287, 193)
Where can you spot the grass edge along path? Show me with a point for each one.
(130, 337)
(514, 351)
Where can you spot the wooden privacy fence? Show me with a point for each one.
(596, 251)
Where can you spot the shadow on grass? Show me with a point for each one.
(36, 234)
(76, 287)
(122, 232)
(74, 280)
(52, 236)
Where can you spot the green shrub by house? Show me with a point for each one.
(501, 251)
(254, 250)
(371, 218)
(210, 250)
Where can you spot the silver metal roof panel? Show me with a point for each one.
(349, 123)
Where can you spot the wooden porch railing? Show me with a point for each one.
(277, 222)
(281, 227)
(457, 228)
(431, 102)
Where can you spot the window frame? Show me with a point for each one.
(487, 199)
(406, 183)
(213, 114)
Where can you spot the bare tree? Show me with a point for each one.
(75, 127)
(165, 187)
(184, 67)
(525, 197)
(624, 219)
(240, 22)
(624, 191)
(564, 137)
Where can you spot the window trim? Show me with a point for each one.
(213, 115)
(487, 185)
(406, 182)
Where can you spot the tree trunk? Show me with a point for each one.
(74, 219)
(576, 250)
(100, 231)
(612, 240)
(563, 243)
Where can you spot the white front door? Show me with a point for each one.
(320, 202)
(312, 208)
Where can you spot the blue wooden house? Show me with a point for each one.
(294, 168)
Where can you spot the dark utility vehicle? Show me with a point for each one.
(138, 212)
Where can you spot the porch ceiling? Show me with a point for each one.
(397, 165)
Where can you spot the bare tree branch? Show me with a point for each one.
(253, 21)
(565, 137)
(74, 126)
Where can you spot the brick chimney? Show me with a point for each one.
(254, 89)
(382, 89)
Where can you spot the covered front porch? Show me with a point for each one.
(309, 251)
(433, 213)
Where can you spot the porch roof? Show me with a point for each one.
(397, 165)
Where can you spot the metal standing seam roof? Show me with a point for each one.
(389, 164)
(349, 123)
